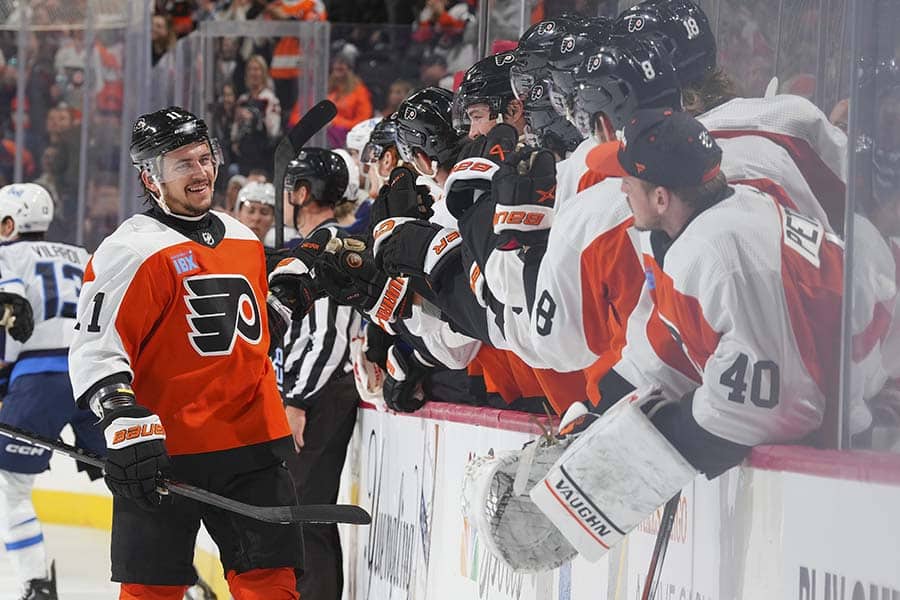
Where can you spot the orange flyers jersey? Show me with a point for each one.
(751, 291)
(188, 323)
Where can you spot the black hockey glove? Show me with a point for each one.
(136, 454)
(524, 195)
(292, 289)
(470, 179)
(369, 289)
(377, 343)
(498, 145)
(415, 248)
(403, 380)
(275, 256)
(401, 197)
(17, 316)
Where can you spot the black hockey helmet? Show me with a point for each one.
(686, 29)
(544, 127)
(322, 170)
(565, 57)
(533, 52)
(383, 136)
(425, 122)
(621, 77)
(154, 134)
(486, 82)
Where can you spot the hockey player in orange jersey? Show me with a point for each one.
(172, 336)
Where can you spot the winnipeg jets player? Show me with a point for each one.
(39, 286)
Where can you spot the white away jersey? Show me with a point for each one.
(48, 275)
(751, 291)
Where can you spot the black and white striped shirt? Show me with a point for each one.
(316, 350)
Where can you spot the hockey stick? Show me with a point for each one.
(659, 549)
(311, 513)
(309, 125)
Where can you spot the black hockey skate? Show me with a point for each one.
(42, 589)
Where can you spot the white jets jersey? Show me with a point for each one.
(751, 291)
(48, 275)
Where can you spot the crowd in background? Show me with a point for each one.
(380, 52)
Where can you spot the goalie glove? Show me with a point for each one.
(403, 382)
(17, 316)
(401, 197)
(512, 527)
(415, 248)
(524, 196)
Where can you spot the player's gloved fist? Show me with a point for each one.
(524, 196)
(292, 291)
(17, 316)
(376, 343)
(383, 298)
(468, 184)
(415, 248)
(401, 197)
(497, 145)
(403, 379)
(136, 454)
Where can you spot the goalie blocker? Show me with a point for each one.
(612, 477)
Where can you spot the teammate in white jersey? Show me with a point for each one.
(40, 282)
(747, 287)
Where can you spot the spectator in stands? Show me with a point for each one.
(231, 192)
(256, 207)
(397, 93)
(287, 54)
(350, 95)
(257, 124)
(182, 14)
(102, 209)
(48, 175)
(223, 119)
(433, 72)
(442, 18)
(229, 67)
(162, 37)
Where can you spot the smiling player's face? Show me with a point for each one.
(189, 173)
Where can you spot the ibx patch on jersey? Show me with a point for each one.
(185, 262)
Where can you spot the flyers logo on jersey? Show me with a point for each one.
(221, 308)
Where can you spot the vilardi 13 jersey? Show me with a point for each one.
(48, 275)
(187, 321)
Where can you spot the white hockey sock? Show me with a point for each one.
(20, 528)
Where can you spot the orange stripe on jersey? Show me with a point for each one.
(588, 179)
(767, 186)
(675, 314)
(814, 298)
(502, 377)
(611, 280)
(89, 272)
(561, 389)
(193, 324)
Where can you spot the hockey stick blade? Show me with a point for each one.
(311, 513)
(309, 125)
(659, 549)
